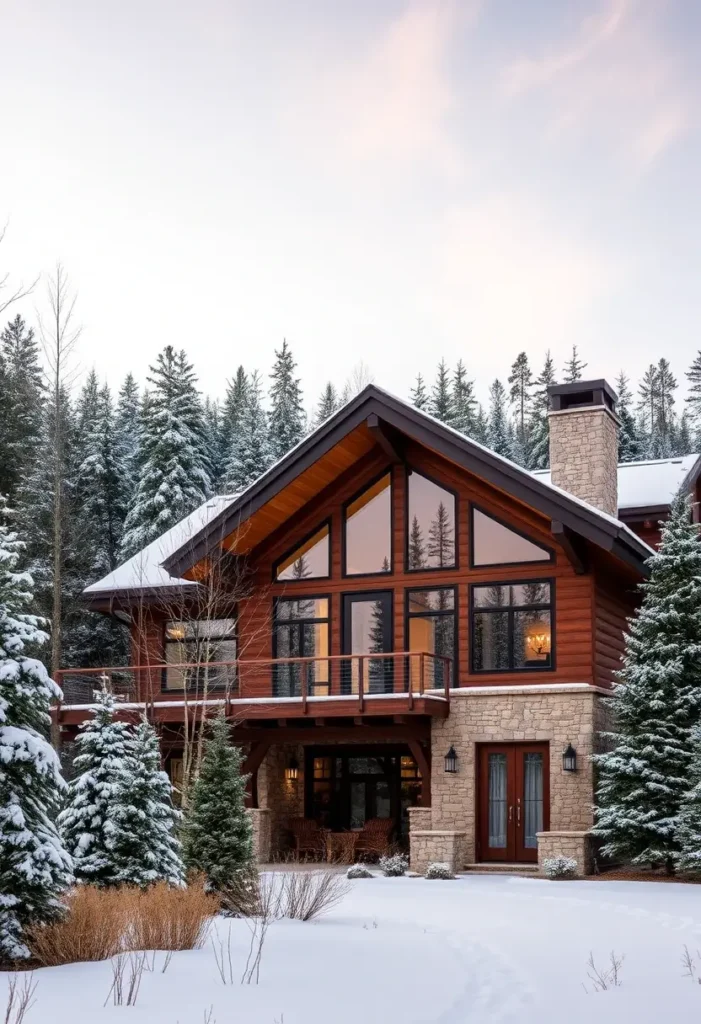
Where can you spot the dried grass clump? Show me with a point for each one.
(307, 894)
(167, 918)
(91, 928)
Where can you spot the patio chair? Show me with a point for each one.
(308, 837)
(374, 837)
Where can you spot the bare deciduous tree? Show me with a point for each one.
(12, 293)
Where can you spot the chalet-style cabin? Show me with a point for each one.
(402, 625)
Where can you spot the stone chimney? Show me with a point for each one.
(584, 442)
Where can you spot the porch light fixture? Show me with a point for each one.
(451, 761)
(292, 770)
(569, 759)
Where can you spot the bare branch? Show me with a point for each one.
(21, 291)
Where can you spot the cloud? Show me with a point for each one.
(615, 79)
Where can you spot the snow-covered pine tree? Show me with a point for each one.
(657, 702)
(142, 838)
(418, 396)
(481, 429)
(539, 424)
(174, 476)
(217, 835)
(464, 401)
(22, 401)
(250, 453)
(234, 403)
(681, 438)
(104, 744)
(630, 447)
(35, 867)
(498, 437)
(689, 822)
(328, 404)
(127, 432)
(693, 399)
(441, 403)
(521, 381)
(214, 437)
(574, 367)
(647, 404)
(665, 418)
(287, 419)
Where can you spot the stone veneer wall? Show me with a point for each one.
(554, 714)
(260, 823)
(282, 799)
(584, 455)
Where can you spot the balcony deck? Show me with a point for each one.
(338, 686)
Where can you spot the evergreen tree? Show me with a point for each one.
(657, 702)
(664, 426)
(682, 443)
(417, 552)
(521, 381)
(498, 437)
(328, 404)
(104, 746)
(287, 419)
(143, 844)
(21, 406)
(127, 432)
(689, 821)
(693, 399)
(34, 866)
(251, 452)
(647, 404)
(232, 413)
(418, 395)
(630, 447)
(574, 367)
(216, 454)
(218, 839)
(481, 428)
(539, 424)
(464, 402)
(174, 476)
(441, 405)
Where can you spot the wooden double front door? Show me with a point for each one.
(514, 800)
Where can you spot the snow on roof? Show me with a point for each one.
(144, 570)
(644, 484)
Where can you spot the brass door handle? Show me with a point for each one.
(518, 813)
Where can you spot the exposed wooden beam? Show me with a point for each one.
(252, 763)
(424, 767)
(340, 734)
(387, 437)
(320, 722)
(572, 545)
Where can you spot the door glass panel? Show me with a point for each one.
(532, 799)
(370, 633)
(497, 801)
(382, 799)
(357, 804)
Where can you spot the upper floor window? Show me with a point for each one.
(495, 543)
(368, 530)
(310, 560)
(431, 629)
(192, 650)
(511, 626)
(431, 533)
(301, 630)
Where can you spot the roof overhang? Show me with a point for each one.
(374, 407)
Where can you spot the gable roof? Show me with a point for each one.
(375, 407)
(649, 486)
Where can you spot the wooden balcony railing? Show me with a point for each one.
(358, 679)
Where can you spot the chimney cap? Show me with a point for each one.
(582, 394)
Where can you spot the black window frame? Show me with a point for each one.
(474, 506)
(511, 610)
(195, 685)
(454, 611)
(407, 527)
(300, 623)
(308, 536)
(387, 471)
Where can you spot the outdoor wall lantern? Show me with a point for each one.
(451, 761)
(292, 770)
(569, 759)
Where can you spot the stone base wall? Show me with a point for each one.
(555, 715)
(428, 847)
(282, 798)
(566, 844)
(260, 822)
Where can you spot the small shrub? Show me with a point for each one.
(92, 928)
(20, 998)
(168, 918)
(242, 896)
(304, 895)
(439, 869)
(394, 866)
(359, 871)
(559, 867)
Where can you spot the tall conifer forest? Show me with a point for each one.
(92, 474)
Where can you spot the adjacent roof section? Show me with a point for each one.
(649, 487)
(144, 571)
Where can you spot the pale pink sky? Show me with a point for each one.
(385, 181)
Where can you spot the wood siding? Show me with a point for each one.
(614, 603)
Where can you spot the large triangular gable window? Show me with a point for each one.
(495, 543)
(309, 561)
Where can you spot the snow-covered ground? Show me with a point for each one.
(481, 948)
